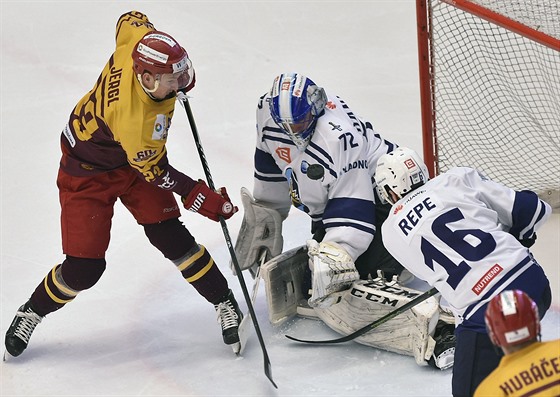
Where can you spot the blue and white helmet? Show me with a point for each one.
(296, 103)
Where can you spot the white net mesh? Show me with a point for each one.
(497, 94)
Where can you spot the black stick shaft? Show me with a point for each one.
(200, 149)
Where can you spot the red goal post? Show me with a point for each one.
(490, 89)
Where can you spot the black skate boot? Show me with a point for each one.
(20, 330)
(229, 317)
(444, 349)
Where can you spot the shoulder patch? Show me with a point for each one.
(161, 127)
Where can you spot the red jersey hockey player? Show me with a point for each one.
(114, 148)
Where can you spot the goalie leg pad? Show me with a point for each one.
(283, 276)
(261, 230)
(368, 300)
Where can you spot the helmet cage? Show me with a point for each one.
(295, 105)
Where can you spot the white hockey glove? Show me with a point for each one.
(332, 270)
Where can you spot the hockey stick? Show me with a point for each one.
(375, 324)
(244, 327)
(267, 366)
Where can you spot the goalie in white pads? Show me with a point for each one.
(314, 153)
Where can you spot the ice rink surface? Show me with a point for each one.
(141, 331)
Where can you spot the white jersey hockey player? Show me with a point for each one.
(467, 236)
(315, 153)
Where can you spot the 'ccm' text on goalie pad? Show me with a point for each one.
(368, 300)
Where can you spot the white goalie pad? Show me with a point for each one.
(409, 333)
(261, 231)
(283, 277)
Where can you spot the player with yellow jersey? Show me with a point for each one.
(113, 148)
(529, 367)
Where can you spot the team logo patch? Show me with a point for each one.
(145, 155)
(409, 163)
(335, 126)
(227, 208)
(284, 154)
(161, 127)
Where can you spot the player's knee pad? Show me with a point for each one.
(79, 274)
(170, 237)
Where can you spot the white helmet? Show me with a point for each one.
(400, 171)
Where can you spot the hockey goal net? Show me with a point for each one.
(490, 90)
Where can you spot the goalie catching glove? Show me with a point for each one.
(211, 204)
(332, 270)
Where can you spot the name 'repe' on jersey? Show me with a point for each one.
(457, 233)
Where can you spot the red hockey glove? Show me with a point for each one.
(209, 203)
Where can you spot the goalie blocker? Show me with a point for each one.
(424, 332)
(261, 231)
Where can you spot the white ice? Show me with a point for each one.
(142, 331)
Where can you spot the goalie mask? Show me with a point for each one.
(158, 53)
(400, 172)
(296, 103)
(512, 318)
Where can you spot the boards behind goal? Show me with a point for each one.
(490, 90)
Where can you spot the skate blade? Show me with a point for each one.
(236, 347)
(7, 356)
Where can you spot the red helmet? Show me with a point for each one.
(512, 318)
(159, 53)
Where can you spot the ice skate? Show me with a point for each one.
(444, 351)
(23, 325)
(229, 317)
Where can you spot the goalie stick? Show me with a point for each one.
(267, 367)
(372, 325)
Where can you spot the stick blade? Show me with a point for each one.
(268, 372)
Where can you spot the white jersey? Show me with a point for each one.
(332, 180)
(459, 232)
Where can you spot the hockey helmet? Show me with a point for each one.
(158, 53)
(296, 103)
(512, 318)
(400, 171)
